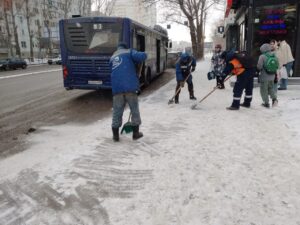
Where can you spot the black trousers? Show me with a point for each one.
(190, 88)
(220, 81)
(243, 82)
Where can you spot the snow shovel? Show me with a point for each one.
(127, 127)
(215, 88)
(171, 101)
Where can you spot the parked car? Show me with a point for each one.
(56, 61)
(172, 58)
(12, 63)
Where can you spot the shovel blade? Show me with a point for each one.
(127, 128)
(194, 106)
(171, 101)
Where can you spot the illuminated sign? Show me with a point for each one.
(273, 22)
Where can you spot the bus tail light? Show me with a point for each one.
(65, 72)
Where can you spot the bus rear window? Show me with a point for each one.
(92, 38)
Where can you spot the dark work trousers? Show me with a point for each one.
(220, 81)
(243, 81)
(190, 88)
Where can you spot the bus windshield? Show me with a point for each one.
(92, 38)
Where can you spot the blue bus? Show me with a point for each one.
(87, 44)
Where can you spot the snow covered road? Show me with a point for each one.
(192, 167)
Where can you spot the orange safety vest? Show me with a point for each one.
(237, 67)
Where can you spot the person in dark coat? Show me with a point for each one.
(242, 66)
(125, 85)
(185, 65)
(218, 64)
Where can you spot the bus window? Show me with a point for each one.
(157, 55)
(140, 42)
(92, 38)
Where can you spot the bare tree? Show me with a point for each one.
(85, 7)
(10, 11)
(15, 30)
(6, 11)
(27, 11)
(67, 5)
(190, 13)
(47, 15)
(104, 7)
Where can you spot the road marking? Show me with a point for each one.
(26, 74)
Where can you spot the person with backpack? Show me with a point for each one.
(125, 86)
(274, 46)
(185, 65)
(240, 65)
(218, 65)
(268, 66)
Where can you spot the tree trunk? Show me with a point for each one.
(8, 33)
(29, 32)
(200, 32)
(16, 36)
(193, 38)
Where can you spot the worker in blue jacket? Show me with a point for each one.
(125, 86)
(184, 66)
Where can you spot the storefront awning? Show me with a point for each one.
(228, 7)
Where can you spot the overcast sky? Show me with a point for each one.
(181, 33)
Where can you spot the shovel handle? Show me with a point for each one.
(177, 91)
(215, 88)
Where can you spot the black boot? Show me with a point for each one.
(191, 91)
(192, 97)
(136, 134)
(176, 99)
(115, 134)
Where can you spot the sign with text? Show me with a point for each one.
(273, 22)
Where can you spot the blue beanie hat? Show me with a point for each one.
(122, 45)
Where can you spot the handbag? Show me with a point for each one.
(211, 75)
(283, 73)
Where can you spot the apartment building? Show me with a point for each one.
(137, 10)
(30, 27)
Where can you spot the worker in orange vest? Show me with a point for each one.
(242, 66)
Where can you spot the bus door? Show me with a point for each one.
(157, 56)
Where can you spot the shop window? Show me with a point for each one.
(274, 22)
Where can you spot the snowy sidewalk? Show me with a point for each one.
(192, 167)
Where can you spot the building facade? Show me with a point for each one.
(137, 10)
(30, 27)
(250, 23)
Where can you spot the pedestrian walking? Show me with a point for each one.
(218, 65)
(242, 66)
(185, 65)
(267, 65)
(125, 85)
(274, 46)
(286, 59)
